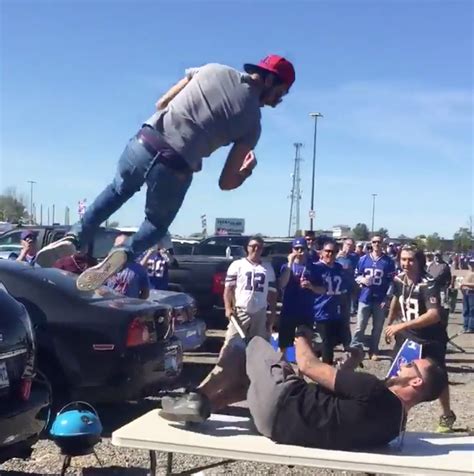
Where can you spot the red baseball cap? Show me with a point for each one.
(275, 64)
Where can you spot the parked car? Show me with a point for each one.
(188, 328)
(10, 251)
(95, 345)
(24, 398)
(98, 247)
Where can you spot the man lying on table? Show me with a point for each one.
(338, 409)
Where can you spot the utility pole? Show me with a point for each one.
(312, 213)
(373, 212)
(31, 182)
(295, 194)
(66, 216)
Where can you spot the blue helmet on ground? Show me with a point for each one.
(76, 429)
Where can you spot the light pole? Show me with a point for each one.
(373, 212)
(311, 211)
(31, 182)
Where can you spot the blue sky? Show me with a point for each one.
(394, 80)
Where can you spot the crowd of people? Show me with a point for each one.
(338, 409)
(321, 285)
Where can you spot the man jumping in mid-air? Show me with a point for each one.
(211, 107)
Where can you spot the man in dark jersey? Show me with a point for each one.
(416, 300)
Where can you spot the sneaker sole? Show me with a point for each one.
(182, 418)
(94, 277)
(47, 256)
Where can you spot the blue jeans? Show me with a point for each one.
(468, 311)
(166, 189)
(364, 312)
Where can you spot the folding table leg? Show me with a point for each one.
(152, 463)
(169, 464)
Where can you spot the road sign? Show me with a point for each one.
(312, 214)
(230, 225)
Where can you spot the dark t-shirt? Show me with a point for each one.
(361, 413)
(415, 300)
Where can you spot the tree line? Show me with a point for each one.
(13, 209)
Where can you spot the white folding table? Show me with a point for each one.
(231, 437)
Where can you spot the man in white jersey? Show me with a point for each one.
(249, 288)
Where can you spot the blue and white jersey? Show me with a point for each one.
(297, 301)
(380, 272)
(252, 283)
(157, 267)
(328, 306)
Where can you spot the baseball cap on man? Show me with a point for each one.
(298, 242)
(277, 65)
(29, 234)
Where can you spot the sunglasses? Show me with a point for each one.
(329, 252)
(298, 248)
(412, 365)
(255, 246)
(376, 241)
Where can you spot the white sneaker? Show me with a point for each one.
(48, 255)
(96, 276)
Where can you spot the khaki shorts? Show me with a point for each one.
(229, 374)
(253, 324)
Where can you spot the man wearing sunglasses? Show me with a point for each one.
(211, 107)
(297, 302)
(329, 408)
(249, 288)
(310, 238)
(374, 275)
(328, 283)
(416, 302)
(29, 248)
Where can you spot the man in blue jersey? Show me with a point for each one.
(132, 281)
(374, 275)
(349, 260)
(310, 238)
(327, 282)
(156, 261)
(297, 302)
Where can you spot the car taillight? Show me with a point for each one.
(141, 331)
(25, 389)
(218, 283)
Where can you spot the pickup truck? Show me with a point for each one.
(202, 275)
(200, 271)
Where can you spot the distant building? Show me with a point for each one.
(341, 231)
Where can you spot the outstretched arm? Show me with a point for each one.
(311, 366)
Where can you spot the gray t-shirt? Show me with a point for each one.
(218, 106)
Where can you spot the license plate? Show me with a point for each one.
(171, 363)
(4, 381)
